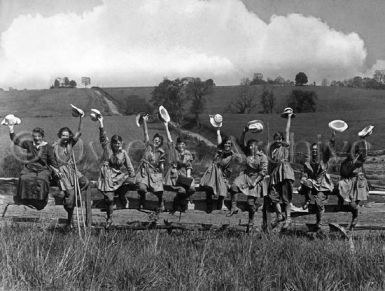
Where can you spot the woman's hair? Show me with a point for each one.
(157, 135)
(61, 130)
(116, 138)
(180, 140)
(278, 135)
(38, 130)
(225, 139)
(248, 144)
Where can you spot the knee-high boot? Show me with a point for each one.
(234, 208)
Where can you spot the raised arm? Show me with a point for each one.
(242, 138)
(287, 131)
(145, 129)
(13, 137)
(79, 131)
(169, 138)
(219, 137)
(128, 165)
(102, 133)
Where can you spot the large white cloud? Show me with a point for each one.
(138, 42)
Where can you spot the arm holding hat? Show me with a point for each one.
(145, 129)
(14, 139)
(242, 138)
(79, 131)
(288, 124)
(169, 138)
(128, 165)
(219, 137)
(102, 133)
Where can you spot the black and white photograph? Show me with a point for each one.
(192, 145)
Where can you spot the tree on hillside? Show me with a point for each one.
(325, 82)
(66, 82)
(302, 101)
(244, 103)
(379, 76)
(257, 79)
(301, 79)
(267, 101)
(56, 83)
(72, 84)
(169, 93)
(195, 90)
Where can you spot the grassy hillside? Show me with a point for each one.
(49, 103)
(330, 99)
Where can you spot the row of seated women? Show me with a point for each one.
(269, 177)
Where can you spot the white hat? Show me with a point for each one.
(139, 118)
(338, 125)
(76, 112)
(287, 111)
(366, 131)
(216, 120)
(255, 126)
(10, 119)
(95, 114)
(163, 114)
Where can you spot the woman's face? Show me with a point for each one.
(117, 146)
(314, 152)
(37, 137)
(227, 145)
(181, 146)
(156, 142)
(65, 136)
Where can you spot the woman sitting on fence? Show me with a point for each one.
(281, 174)
(316, 181)
(150, 171)
(34, 182)
(178, 177)
(353, 187)
(111, 177)
(71, 179)
(215, 180)
(251, 181)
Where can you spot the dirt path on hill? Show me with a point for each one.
(113, 108)
(195, 135)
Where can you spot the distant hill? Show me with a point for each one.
(50, 102)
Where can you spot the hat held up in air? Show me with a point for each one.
(216, 120)
(338, 125)
(95, 114)
(287, 111)
(76, 112)
(255, 126)
(163, 114)
(11, 119)
(368, 130)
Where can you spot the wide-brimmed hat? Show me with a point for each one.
(366, 131)
(216, 120)
(163, 114)
(76, 112)
(287, 111)
(338, 125)
(139, 118)
(10, 119)
(255, 126)
(95, 114)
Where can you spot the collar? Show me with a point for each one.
(43, 143)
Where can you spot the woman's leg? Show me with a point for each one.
(286, 194)
(142, 190)
(251, 208)
(109, 199)
(354, 210)
(69, 201)
(220, 202)
(320, 199)
(161, 207)
(234, 190)
(209, 199)
(275, 199)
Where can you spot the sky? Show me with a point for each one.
(140, 42)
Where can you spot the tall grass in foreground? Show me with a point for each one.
(42, 258)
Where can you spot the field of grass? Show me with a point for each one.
(41, 257)
(50, 102)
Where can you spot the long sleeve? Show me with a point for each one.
(128, 164)
(264, 166)
(103, 137)
(51, 159)
(17, 141)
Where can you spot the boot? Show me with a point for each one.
(209, 203)
(250, 224)
(234, 208)
(354, 219)
(319, 216)
(288, 217)
(142, 200)
(277, 220)
(161, 207)
(69, 223)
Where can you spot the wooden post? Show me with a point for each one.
(88, 203)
